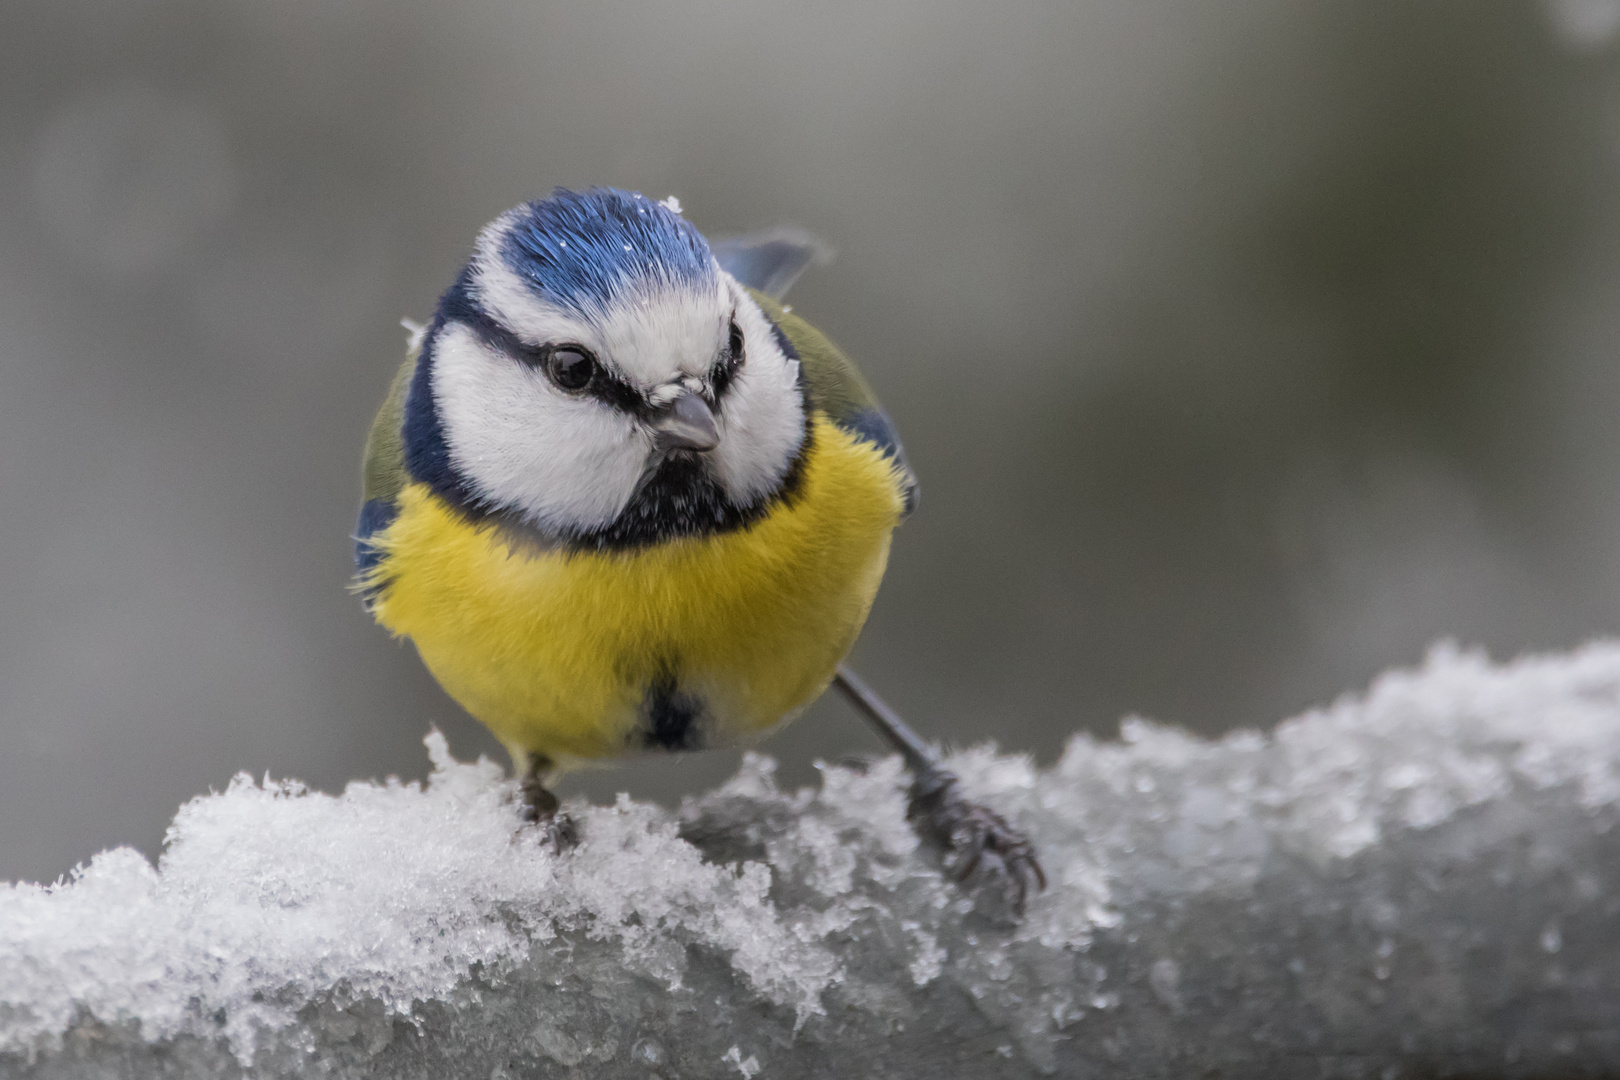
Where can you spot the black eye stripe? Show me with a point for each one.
(725, 368)
(570, 367)
(607, 387)
(614, 391)
(603, 385)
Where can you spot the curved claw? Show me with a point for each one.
(540, 807)
(976, 835)
(562, 832)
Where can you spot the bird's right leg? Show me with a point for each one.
(540, 806)
(972, 835)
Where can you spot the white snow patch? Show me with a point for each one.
(1387, 878)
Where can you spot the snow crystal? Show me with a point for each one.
(1424, 879)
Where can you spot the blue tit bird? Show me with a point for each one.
(624, 502)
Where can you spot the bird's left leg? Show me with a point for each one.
(540, 805)
(974, 836)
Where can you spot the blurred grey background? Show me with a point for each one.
(1244, 348)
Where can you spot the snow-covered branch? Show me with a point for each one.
(1422, 880)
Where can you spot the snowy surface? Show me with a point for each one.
(1421, 881)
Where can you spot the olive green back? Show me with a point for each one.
(383, 468)
(838, 389)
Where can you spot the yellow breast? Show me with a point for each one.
(584, 654)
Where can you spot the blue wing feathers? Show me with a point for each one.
(375, 516)
(874, 426)
(770, 261)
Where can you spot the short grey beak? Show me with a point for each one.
(686, 424)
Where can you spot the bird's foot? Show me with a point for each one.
(541, 808)
(974, 838)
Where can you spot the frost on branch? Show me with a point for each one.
(1423, 881)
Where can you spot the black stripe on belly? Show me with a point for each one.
(671, 716)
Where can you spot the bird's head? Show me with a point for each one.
(595, 375)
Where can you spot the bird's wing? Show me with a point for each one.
(837, 388)
(772, 260)
(383, 472)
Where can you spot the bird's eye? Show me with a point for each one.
(726, 367)
(571, 367)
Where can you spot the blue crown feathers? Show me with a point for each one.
(584, 249)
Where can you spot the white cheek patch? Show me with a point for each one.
(564, 463)
(761, 417)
